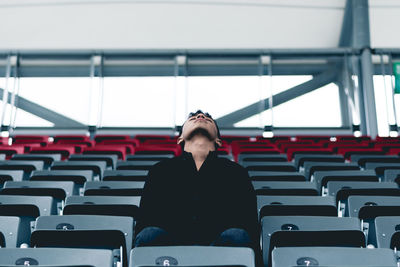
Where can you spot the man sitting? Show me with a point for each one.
(198, 198)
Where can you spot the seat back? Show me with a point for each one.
(192, 256)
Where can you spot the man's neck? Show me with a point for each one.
(200, 147)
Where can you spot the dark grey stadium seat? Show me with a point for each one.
(14, 232)
(47, 159)
(300, 158)
(263, 158)
(296, 205)
(321, 178)
(11, 176)
(385, 227)
(27, 166)
(278, 231)
(91, 231)
(285, 188)
(380, 167)
(269, 166)
(342, 190)
(311, 167)
(77, 176)
(368, 208)
(56, 257)
(332, 256)
(102, 205)
(56, 189)
(113, 188)
(110, 160)
(97, 167)
(192, 256)
(125, 175)
(27, 208)
(276, 176)
(155, 157)
(363, 159)
(136, 164)
(391, 175)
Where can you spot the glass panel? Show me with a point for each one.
(319, 108)
(66, 96)
(138, 102)
(384, 103)
(221, 95)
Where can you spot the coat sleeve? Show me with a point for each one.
(247, 205)
(150, 204)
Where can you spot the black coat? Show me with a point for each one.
(197, 206)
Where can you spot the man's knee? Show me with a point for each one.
(234, 237)
(152, 236)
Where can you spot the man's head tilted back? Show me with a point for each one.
(200, 123)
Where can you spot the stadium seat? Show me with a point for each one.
(102, 137)
(102, 205)
(191, 256)
(321, 178)
(79, 177)
(300, 158)
(368, 208)
(260, 157)
(155, 157)
(296, 205)
(27, 208)
(333, 256)
(391, 175)
(285, 188)
(64, 150)
(283, 231)
(293, 151)
(136, 164)
(269, 166)
(381, 167)
(342, 189)
(13, 231)
(11, 176)
(363, 159)
(311, 167)
(110, 160)
(56, 257)
(125, 175)
(59, 190)
(89, 231)
(349, 152)
(118, 150)
(71, 137)
(47, 159)
(8, 151)
(27, 166)
(385, 227)
(97, 167)
(113, 188)
(276, 176)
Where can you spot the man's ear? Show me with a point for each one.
(180, 140)
(219, 142)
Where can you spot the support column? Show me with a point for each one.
(361, 40)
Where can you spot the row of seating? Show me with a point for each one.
(334, 204)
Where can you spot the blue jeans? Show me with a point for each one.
(155, 236)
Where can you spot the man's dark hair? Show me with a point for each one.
(191, 114)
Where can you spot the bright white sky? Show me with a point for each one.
(166, 101)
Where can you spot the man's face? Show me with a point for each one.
(199, 123)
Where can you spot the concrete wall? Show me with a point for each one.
(179, 24)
